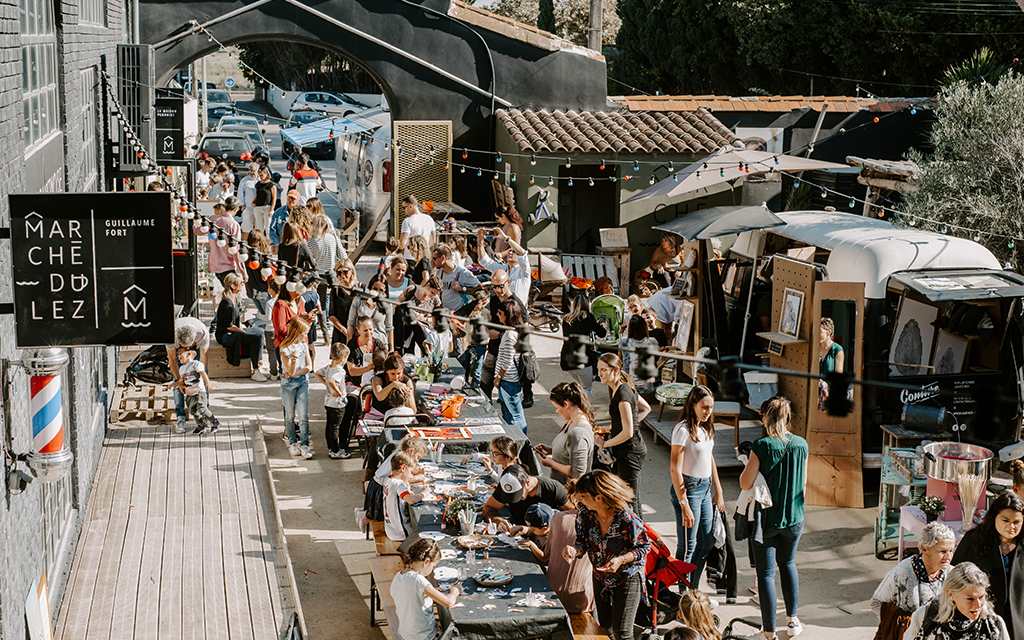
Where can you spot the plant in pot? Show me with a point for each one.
(454, 508)
(933, 507)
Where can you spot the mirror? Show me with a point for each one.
(836, 342)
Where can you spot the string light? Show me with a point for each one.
(591, 182)
(533, 161)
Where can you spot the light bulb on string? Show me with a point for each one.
(479, 173)
(462, 169)
(221, 240)
(671, 167)
(636, 165)
(513, 177)
(675, 178)
(568, 163)
(570, 182)
(652, 180)
(721, 172)
(531, 179)
(499, 157)
(1009, 244)
(913, 221)
(243, 254)
(977, 236)
(551, 181)
(265, 269)
(204, 227)
(591, 182)
(602, 165)
(533, 161)
(232, 245)
(796, 184)
(944, 229)
(465, 154)
(824, 193)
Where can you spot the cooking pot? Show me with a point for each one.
(946, 461)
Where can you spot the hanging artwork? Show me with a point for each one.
(792, 308)
(911, 345)
(950, 353)
(685, 323)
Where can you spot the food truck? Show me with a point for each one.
(935, 315)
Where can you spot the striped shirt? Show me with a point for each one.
(305, 181)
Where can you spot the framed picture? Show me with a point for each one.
(912, 339)
(792, 308)
(950, 353)
(683, 326)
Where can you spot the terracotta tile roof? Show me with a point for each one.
(836, 104)
(621, 132)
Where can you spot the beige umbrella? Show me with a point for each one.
(728, 164)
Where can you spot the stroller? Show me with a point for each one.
(610, 310)
(661, 572)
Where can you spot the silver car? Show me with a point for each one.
(327, 102)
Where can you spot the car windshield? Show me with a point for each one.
(304, 117)
(217, 95)
(218, 146)
(238, 120)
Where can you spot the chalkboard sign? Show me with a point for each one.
(92, 269)
(170, 126)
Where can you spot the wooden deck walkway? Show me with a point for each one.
(181, 541)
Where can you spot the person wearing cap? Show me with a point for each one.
(518, 490)
(280, 217)
(538, 523)
(189, 333)
(246, 196)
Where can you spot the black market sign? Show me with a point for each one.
(170, 126)
(92, 269)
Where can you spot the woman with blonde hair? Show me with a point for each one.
(326, 250)
(615, 539)
(695, 613)
(781, 458)
(303, 217)
(571, 452)
(316, 208)
(296, 363)
(696, 487)
(230, 333)
(961, 612)
(341, 298)
(419, 265)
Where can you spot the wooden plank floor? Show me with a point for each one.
(177, 543)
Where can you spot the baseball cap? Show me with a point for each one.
(538, 515)
(511, 485)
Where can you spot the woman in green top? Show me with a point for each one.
(781, 458)
(831, 358)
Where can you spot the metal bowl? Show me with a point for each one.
(947, 460)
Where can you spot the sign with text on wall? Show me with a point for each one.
(92, 269)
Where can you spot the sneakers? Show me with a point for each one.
(294, 449)
(341, 454)
(179, 426)
(794, 627)
(713, 603)
(215, 427)
(758, 636)
(275, 376)
(199, 430)
(730, 600)
(259, 377)
(306, 453)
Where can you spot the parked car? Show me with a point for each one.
(249, 121)
(334, 103)
(297, 118)
(225, 146)
(216, 113)
(218, 96)
(255, 135)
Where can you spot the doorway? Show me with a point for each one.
(584, 209)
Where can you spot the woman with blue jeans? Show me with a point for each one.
(506, 367)
(696, 489)
(296, 364)
(781, 459)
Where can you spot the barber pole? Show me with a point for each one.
(47, 414)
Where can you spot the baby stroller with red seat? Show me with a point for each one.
(662, 571)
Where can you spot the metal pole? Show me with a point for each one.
(594, 36)
(817, 130)
(203, 105)
(135, 21)
(746, 316)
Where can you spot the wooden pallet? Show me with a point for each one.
(152, 403)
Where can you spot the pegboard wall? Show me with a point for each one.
(795, 356)
(424, 174)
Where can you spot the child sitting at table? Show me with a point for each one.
(503, 452)
(538, 524)
(396, 491)
(413, 593)
(398, 400)
(374, 502)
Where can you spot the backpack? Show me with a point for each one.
(529, 368)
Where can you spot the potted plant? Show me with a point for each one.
(933, 507)
(456, 506)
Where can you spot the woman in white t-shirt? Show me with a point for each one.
(696, 489)
(295, 365)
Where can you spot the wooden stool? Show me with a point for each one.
(729, 413)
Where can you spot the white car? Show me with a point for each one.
(248, 121)
(327, 102)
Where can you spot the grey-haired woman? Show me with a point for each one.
(961, 612)
(914, 582)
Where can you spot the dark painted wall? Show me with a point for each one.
(522, 73)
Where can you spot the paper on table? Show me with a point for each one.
(442, 574)
(485, 429)
(432, 535)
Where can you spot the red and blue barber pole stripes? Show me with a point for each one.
(47, 414)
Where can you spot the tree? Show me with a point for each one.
(572, 17)
(546, 15)
(300, 67)
(975, 177)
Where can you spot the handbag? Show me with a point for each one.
(718, 528)
(529, 368)
(894, 622)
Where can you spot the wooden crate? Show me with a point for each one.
(217, 364)
(152, 403)
(348, 232)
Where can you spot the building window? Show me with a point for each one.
(92, 12)
(57, 512)
(90, 98)
(38, 70)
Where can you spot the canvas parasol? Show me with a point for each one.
(721, 221)
(728, 164)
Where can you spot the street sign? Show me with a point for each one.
(229, 83)
(170, 127)
(92, 269)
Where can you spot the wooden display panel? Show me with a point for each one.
(835, 465)
(796, 356)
